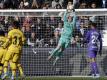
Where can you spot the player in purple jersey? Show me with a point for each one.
(93, 38)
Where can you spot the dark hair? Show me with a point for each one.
(58, 5)
(2, 33)
(15, 24)
(92, 23)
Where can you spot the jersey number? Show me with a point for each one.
(16, 40)
(94, 39)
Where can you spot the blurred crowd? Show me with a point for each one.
(51, 4)
(46, 31)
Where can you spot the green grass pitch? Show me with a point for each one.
(59, 78)
(63, 78)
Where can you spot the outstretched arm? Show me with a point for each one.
(69, 10)
(74, 19)
(6, 44)
(65, 16)
(86, 37)
(100, 40)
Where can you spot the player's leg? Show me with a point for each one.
(93, 64)
(55, 51)
(2, 61)
(1, 65)
(65, 44)
(60, 52)
(19, 66)
(14, 65)
(1, 69)
(6, 62)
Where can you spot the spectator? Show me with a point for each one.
(58, 6)
(38, 28)
(76, 42)
(57, 2)
(34, 4)
(48, 5)
(40, 3)
(82, 29)
(83, 5)
(11, 4)
(21, 6)
(49, 34)
(33, 37)
(78, 21)
(66, 2)
(52, 21)
(76, 3)
(27, 26)
(1, 5)
(85, 20)
(58, 31)
(26, 4)
(104, 3)
(93, 5)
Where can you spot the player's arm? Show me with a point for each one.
(65, 16)
(74, 19)
(86, 37)
(72, 12)
(68, 10)
(23, 39)
(8, 41)
(100, 40)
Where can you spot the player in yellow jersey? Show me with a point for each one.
(15, 39)
(3, 53)
(2, 50)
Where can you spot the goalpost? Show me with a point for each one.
(55, 12)
(36, 51)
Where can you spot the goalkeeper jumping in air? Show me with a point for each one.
(65, 39)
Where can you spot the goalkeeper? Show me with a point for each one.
(65, 39)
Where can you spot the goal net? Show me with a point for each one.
(42, 29)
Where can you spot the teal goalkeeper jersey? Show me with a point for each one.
(68, 27)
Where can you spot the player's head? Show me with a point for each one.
(92, 25)
(59, 25)
(70, 2)
(2, 33)
(15, 24)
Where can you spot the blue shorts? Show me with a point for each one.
(92, 54)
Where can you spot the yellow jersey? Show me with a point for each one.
(2, 41)
(15, 40)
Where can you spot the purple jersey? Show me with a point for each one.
(93, 37)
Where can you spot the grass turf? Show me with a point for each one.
(62, 78)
